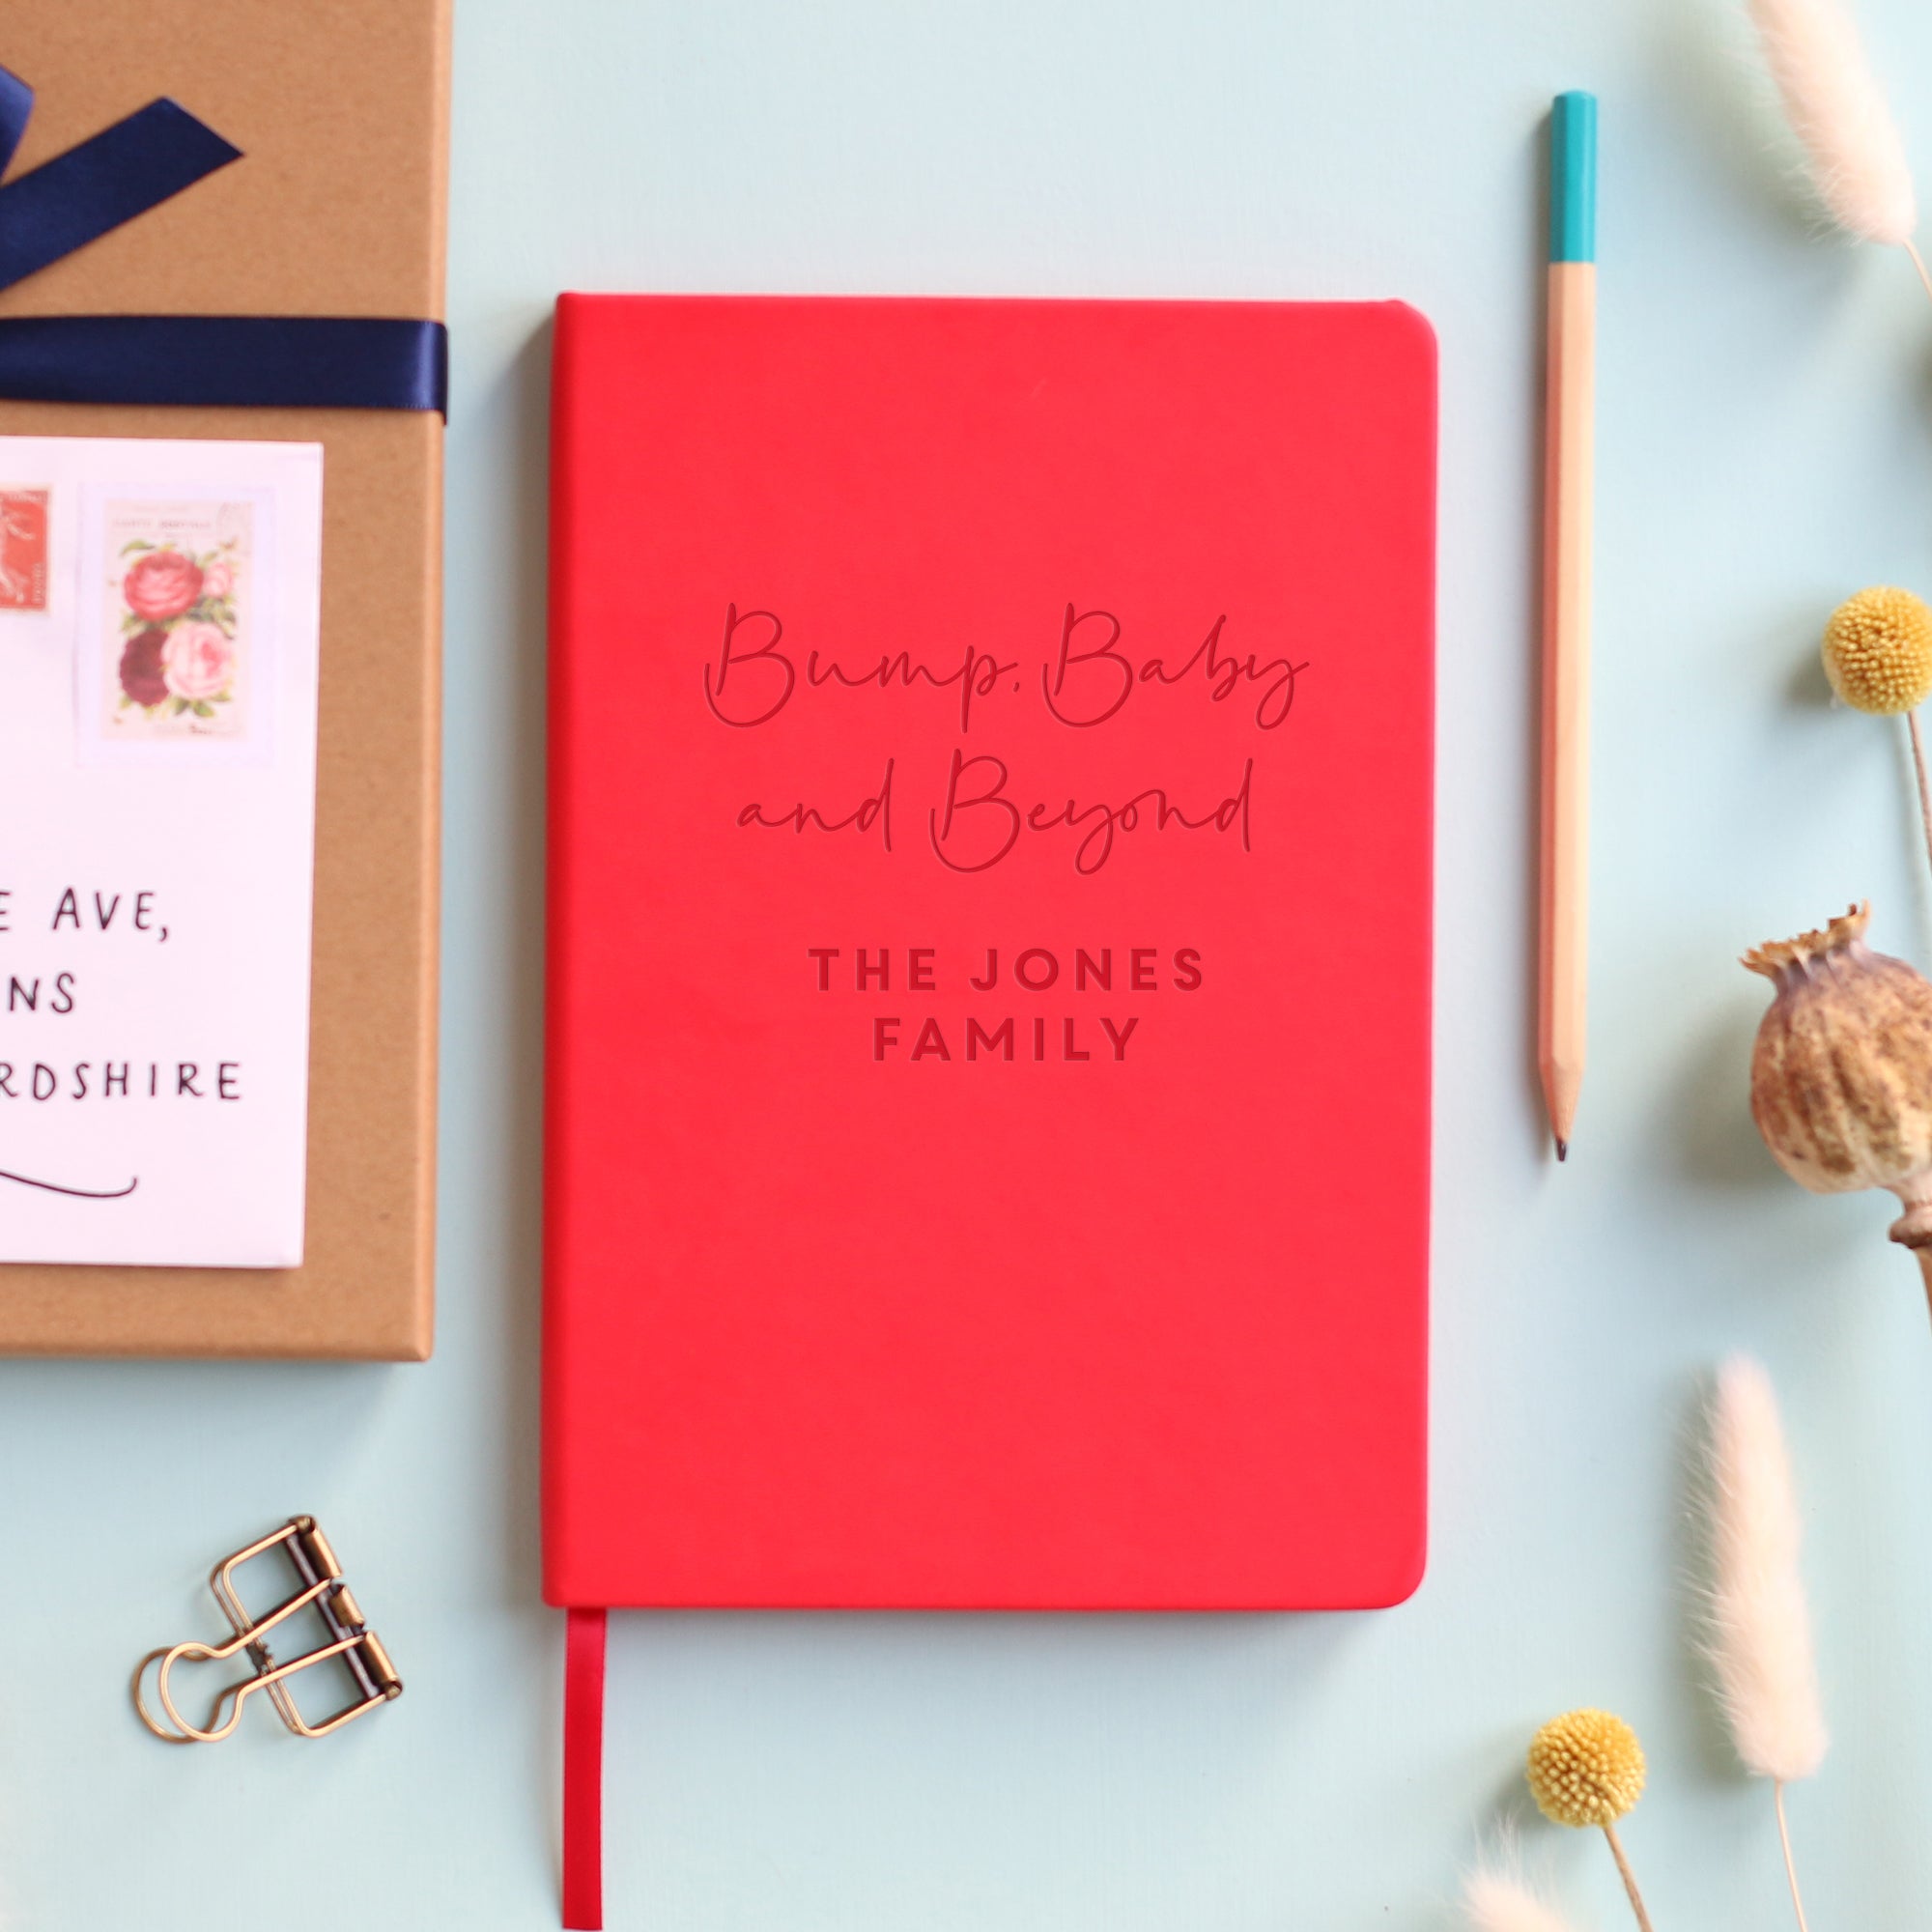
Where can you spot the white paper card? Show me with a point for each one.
(160, 625)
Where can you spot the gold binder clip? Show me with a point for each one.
(320, 1576)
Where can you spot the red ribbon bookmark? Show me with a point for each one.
(583, 1772)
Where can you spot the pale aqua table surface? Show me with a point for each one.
(1764, 451)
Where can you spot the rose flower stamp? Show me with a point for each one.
(176, 617)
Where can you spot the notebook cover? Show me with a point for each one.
(337, 208)
(888, 635)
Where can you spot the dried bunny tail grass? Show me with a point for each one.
(1496, 1899)
(1760, 1625)
(1839, 112)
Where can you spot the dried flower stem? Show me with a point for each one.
(1912, 717)
(1919, 262)
(1926, 1270)
(1629, 1878)
(1790, 1868)
(1924, 786)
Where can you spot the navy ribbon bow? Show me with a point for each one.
(246, 362)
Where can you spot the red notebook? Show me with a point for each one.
(987, 1116)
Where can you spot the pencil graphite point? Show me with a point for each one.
(1562, 1083)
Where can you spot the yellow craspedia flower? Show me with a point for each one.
(1878, 651)
(1586, 1768)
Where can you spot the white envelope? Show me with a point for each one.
(159, 630)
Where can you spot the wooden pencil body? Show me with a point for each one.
(1566, 682)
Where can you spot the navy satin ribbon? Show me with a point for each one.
(17, 109)
(244, 362)
(238, 361)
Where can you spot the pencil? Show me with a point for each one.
(1570, 408)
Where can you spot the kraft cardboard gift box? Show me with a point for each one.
(337, 208)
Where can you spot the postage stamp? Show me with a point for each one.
(176, 620)
(23, 549)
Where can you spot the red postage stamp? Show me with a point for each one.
(23, 550)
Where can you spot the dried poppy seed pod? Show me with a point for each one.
(1841, 1076)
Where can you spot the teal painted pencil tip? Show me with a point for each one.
(1572, 177)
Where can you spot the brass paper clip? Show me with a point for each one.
(321, 1586)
